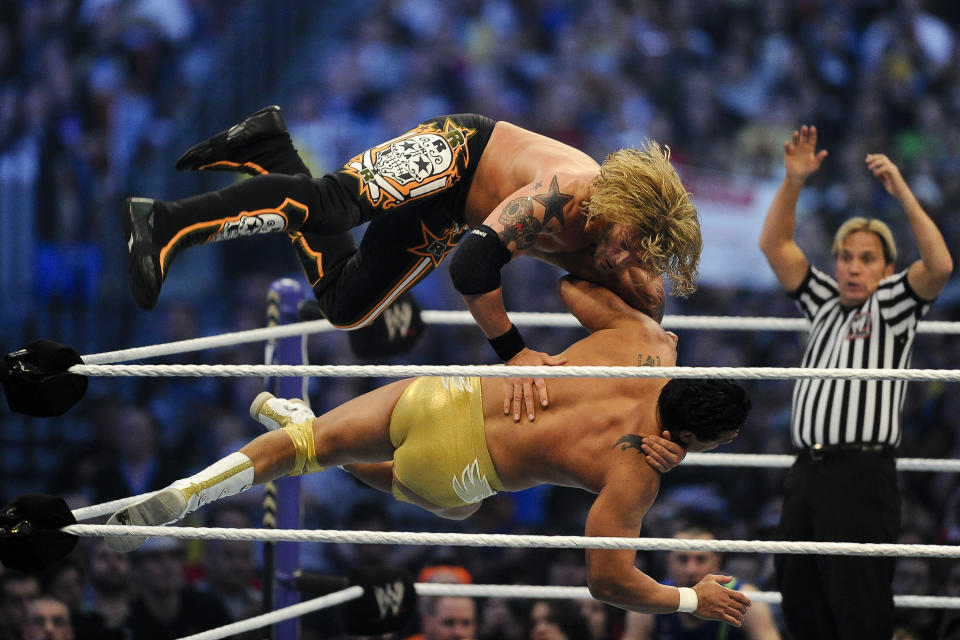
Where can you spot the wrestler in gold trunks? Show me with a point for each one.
(428, 433)
(441, 446)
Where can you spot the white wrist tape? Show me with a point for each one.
(688, 600)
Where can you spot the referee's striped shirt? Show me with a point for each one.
(878, 334)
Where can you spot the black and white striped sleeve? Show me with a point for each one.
(816, 289)
(900, 306)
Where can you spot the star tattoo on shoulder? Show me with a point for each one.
(553, 201)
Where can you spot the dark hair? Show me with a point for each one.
(703, 407)
(50, 575)
(569, 619)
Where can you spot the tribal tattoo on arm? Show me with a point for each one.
(630, 441)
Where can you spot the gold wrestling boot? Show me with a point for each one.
(275, 413)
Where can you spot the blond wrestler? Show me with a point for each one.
(504, 190)
(592, 438)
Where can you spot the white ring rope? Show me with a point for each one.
(294, 610)
(580, 593)
(201, 344)
(107, 508)
(754, 460)
(503, 371)
(519, 318)
(529, 592)
(523, 541)
(784, 461)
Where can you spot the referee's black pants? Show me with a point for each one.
(847, 498)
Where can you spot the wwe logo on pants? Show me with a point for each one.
(389, 598)
(398, 318)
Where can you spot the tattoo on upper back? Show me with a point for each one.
(519, 225)
(651, 298)
(630, 441)
(646, 360)
(658, 301)
(657, 312)
(554, 202)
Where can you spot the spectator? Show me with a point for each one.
(364, 516)
(137, 464)
(443, 619)
(48, 618)
(556, 620)
(566, 568)
(501, 619)
(446, 574)
(65, 582)
(685, 569)
(231, 569)
(106, 610)
(164, 608)
(603, 621)
(447, 618)
(16, 591)
(843, 485)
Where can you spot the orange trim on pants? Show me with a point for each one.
(217, 225)
(252, 167)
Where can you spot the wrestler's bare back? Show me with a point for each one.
(572, 442)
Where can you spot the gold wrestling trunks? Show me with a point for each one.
(441, 447)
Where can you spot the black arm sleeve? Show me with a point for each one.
(475, 267)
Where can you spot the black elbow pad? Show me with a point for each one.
(475, 267)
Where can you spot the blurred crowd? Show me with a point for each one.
(89, 86)
(90, 89)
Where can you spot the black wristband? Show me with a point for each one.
(509, 344)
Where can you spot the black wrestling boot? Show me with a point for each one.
(245, 146)
(156, 231)
(146, 274)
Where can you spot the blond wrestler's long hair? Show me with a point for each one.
(641, 189)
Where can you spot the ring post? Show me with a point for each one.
(283, 301)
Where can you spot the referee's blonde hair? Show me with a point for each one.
(639, 188)
(859, 223)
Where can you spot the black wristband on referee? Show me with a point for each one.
(509, 344)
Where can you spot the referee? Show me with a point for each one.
(843, 486)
